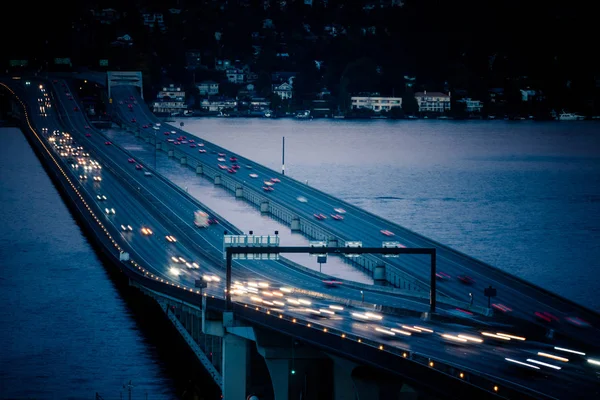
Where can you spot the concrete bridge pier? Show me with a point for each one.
(235, 361)
(297, 370)
(183, 160)
(379, 274)
(158, 146)
(199, 170)
(264, 207)
(137, 134)
(332, 243)
(354, 382)
(239, 192)
(295, 224)
(217, 179)
(171, 153)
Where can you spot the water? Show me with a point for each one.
(65, 330)
(523, 196)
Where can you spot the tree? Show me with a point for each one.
(409, 103)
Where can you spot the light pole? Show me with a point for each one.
(283, 157)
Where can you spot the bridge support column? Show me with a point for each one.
(183, 160)
(158, 146)
(217, 179)
(199, 170)
(343, 385)
(171, 153)
(136, 134)
(295, 224)
(264, 207)
(297, 370)
(379, 274)
(235, 360)
(332, 243)
(239, 192)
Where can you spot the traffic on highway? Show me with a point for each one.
(160, 226)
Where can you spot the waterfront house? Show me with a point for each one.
(283, 90)
(218, 104)
(436, 102)
(376, 103)
(170, 101)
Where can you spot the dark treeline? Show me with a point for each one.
(463, 45)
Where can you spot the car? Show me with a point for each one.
(109, 211)
(545, 316)
(231, 171)
(578, 322)
(130, 160)
(88, 135)
(177, 143)
(107, 143)
(386, 232)
(221, 166)
(268, 183)
(146, 173)
(442, 276)
(97, 179)
(221, 154)
(133, 120)
(221, 159)
(171, 239)
(212, 221)
(173, 132)
(200, 144)
(201, 151)
(320, 217)
(337, 217)
(332, 282)
(302, 199)
(138, 166)
(501, 307)
(465, 279)
(233, 159)
(249, 166)
(146, 231)
(268, 188)
(191, 140)
(87, 127)
(101, 197)
(339, 210)
(126, 228)
(166, 133)
(192, 145)
(253, 176)
(275, 180)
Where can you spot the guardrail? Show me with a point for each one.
(277, 210)
(457, 255)
(487, 383)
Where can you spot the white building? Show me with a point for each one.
(376, 104)
(283, 90)
(433, 101)
(170, 100)
(471, 106)
(218, 104)
(208, 88)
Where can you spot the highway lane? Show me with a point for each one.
(524, 299)
(183, 207)
(429, 345)
(151, 251)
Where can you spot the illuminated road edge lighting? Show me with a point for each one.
(569, 351)
(543, 363)
(522, 363)
(595, 362)
(552, 356)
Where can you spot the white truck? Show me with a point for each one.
(201, 219)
